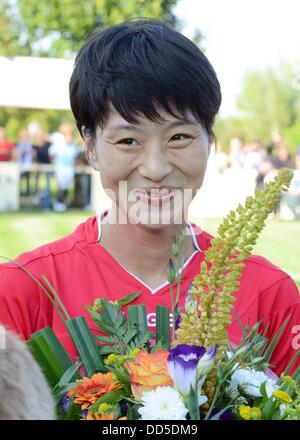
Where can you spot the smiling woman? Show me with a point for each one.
(144, 98)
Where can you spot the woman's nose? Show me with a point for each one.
(155, 164)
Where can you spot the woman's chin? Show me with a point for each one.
(157, 220)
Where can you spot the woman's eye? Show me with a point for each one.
(126, 141)
(186, 136)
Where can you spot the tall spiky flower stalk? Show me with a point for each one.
(215, 286)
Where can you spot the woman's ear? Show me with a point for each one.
(92, 157)
(89, 137)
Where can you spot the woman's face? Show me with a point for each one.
(151, 170)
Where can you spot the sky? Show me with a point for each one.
(243, 35)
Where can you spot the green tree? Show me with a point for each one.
(228, 128)
(57, 28)
(268, 102)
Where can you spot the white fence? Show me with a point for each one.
(219, 194)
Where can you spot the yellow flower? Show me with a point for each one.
(111, 359)
(282, 396)
(104, 407)
(248, 413)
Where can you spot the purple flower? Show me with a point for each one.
(124, 407)
(188, 366)
(206, 362)
(65, 403)
(178, 322)
(227, 415)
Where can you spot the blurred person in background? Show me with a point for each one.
(292, 197)
(41, 156)
(265, 174)
(284, 159)
(269, 154)
(236, 153)
(220, 158)
(24, 156)
(64, 152)
(253, 156)
(6, 147)
(82, 187)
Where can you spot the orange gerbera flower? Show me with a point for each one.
(103, 416)
(89, 389)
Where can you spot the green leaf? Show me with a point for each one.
(163, 326)
(50, 354)
(108, 349)
(192, 405)
(296, 373)
(111, 315)
(129, 298)
(269, 351)
(221, 412)
(85, 344)
(157, 346)
(110, 321)
(123, 378)
(75, 411)
(110, 398)
(131, 333)
(263, 391)
(137, 318)
(106, 339)
(132, 413)
(141, 340)
(292, 362)
(59, 392)
(69, 374)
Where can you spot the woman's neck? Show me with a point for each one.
(143, 251)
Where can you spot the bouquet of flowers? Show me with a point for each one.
(190, 372)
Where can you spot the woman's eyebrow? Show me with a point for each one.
(137, 127)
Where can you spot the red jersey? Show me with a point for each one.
(80, 270)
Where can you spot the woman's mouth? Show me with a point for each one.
(156, 196)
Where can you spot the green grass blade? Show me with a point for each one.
(269, 351)
(63, 318)
(56, 297)
(291, 363)
(296, 374)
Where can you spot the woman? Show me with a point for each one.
(144, 98)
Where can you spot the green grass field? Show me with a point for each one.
(23, 231)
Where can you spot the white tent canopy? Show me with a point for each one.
(28, 82)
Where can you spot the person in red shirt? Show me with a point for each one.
(6, 147)
(144, 98)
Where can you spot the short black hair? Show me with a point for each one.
(138, 65)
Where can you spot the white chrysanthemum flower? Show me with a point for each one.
(163, 403)
(250, 381)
